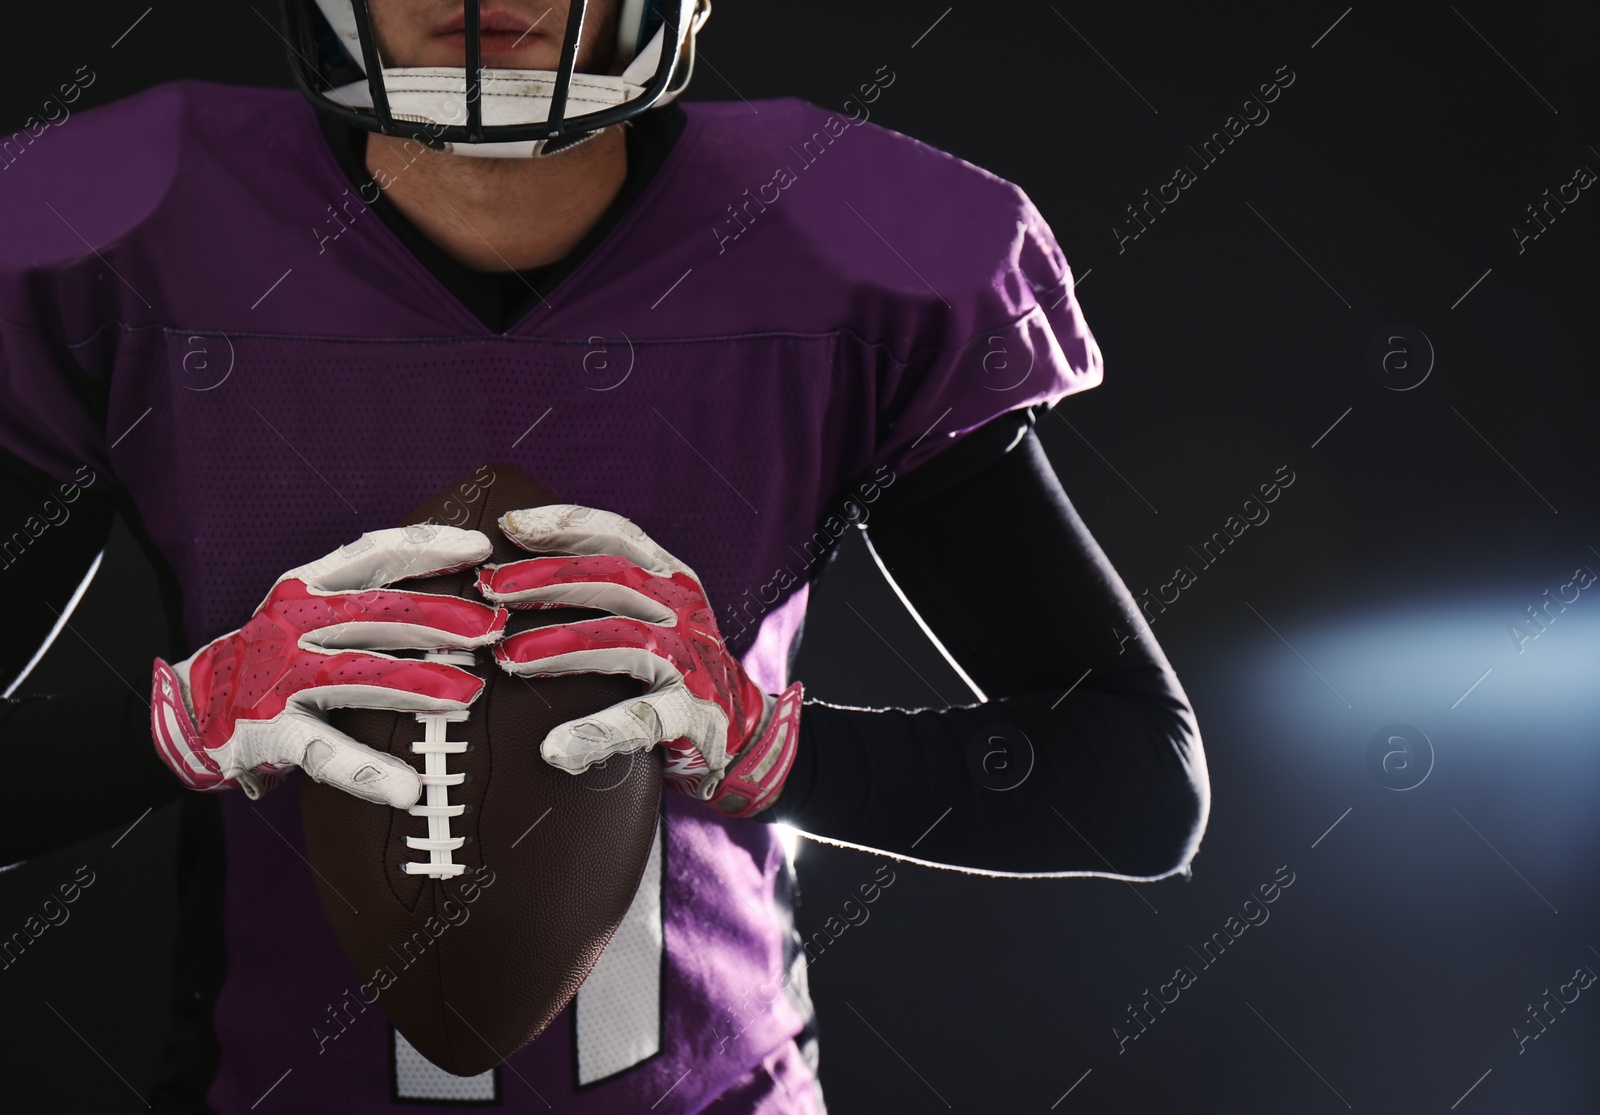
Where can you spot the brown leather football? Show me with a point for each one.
(470, 968)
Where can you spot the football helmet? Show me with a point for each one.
(478, 110)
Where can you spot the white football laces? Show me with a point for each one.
(436, 781)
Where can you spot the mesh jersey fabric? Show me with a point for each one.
(794, 302)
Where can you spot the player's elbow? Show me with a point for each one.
(1174, 798)
(1135, 793)
(1175, 820)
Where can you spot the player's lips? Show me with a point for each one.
(500, 32)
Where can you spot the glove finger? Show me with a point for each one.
(382, 557)
(605, 581)
(329, 756)
(577, 745)
(354, 680)
(566, 528)
(596, 646)
(668, 716)
(387, 619)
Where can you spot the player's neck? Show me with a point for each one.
(502, 214)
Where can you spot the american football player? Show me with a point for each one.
(260, 325)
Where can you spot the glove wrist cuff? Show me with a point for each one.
(755, 778)
(176, 737)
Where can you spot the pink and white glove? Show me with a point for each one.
(726, 742)
(247, 707)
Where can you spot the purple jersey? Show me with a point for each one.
(196, 302)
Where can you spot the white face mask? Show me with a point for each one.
(435, 98)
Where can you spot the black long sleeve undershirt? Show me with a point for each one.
(1107, 774)
(96, 733)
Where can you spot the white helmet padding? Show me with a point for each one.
(436, 97)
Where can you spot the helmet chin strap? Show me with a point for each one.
(437, 95)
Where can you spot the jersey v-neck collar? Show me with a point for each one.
(500, 300)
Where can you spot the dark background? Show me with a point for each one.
(1236, 330)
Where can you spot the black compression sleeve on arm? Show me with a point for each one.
(47, 546)
(79, 760)
(89, 758)
(1108, 778)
